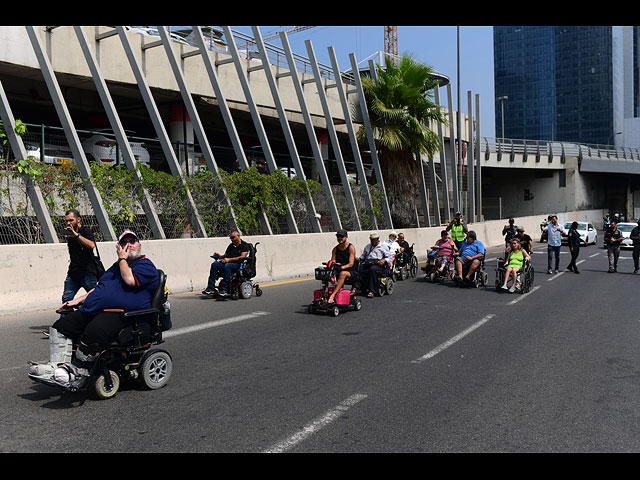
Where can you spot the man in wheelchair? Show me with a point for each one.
(129, 284)
(469, 258)
(226, 265)
(374, 260)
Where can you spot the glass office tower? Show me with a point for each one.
(561, 82)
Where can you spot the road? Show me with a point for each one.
(431, 368)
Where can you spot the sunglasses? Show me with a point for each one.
(130, 241)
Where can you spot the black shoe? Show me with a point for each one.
(570, 268)
(208, 291)
(576, 271)
(611, 270)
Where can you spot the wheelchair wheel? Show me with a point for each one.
(413, 267)
(245, 290)
(357, 304)
(388, 286)
(258, 291)
(334, 311)
(155, 369)
(101, 391)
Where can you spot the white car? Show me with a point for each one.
(626, 228)
(588, 233)
(53, 154)
(102, 149)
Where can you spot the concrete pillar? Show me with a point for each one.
(180, 127)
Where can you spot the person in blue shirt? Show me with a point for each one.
(129, 284)
(554, 240)
(470, 254)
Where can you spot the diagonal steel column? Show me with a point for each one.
(452, 145)
(195, 118)
(313, 140)
(72, 136)
(352, 133)
(165, 143)
(372, 144)
(228, 119)
(33, 190)
(333, 135)
(282, 116)
(423, 190)
(255, 116)
(470, 162)
(116, 125)
(443, 162)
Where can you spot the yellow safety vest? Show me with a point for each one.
(457, 232)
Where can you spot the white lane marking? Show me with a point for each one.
(524, 295)
(594, 255)
(556, 275)
(453, 340)
(316, 425)
(214, 323)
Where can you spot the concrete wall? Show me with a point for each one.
(32, 276)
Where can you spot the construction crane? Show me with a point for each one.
(391, 43)
(291, 30)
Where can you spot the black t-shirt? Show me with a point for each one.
(81, 257)
(524, 241)
(235, 251)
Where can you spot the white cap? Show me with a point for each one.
(127, 232)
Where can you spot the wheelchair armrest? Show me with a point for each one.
(113, 310)
(138, 313)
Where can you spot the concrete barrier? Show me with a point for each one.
(33, 275)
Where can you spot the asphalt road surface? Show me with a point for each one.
(430, 368)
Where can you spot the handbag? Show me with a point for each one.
(99, 266)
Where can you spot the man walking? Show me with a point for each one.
(613, 238)
(82, 266)
(554, 240)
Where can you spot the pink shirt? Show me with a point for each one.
(446, 249)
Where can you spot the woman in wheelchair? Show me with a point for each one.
(514, 263)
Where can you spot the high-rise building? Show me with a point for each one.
(567, 83)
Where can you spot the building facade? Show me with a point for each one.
(567, 83)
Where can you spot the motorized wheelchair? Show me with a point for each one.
(384, 277)
(524, 277)
(479, 278)
(344, 299)
(405, 265)
(130, 356)
(432, 268)
(241, 283)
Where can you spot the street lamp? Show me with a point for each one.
(501, 100)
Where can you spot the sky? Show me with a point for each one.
(432, 45)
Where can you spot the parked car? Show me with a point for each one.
(53, 154)
(588, 233)
(102, 148)
(626, 228)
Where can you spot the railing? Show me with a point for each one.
(539, 148)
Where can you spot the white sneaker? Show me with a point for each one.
(512, 289)
(504, 287)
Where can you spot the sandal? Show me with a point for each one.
(370, 295)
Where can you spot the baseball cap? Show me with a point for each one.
(341, 233)
(125, 233)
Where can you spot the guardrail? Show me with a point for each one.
(539, 148)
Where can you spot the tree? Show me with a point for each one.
(401, 110)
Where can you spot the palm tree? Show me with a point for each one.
(401, 111)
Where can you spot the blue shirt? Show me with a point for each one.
(555, 235)
(112, 292)
(471, 249)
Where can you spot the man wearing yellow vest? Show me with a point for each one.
(458, 229)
